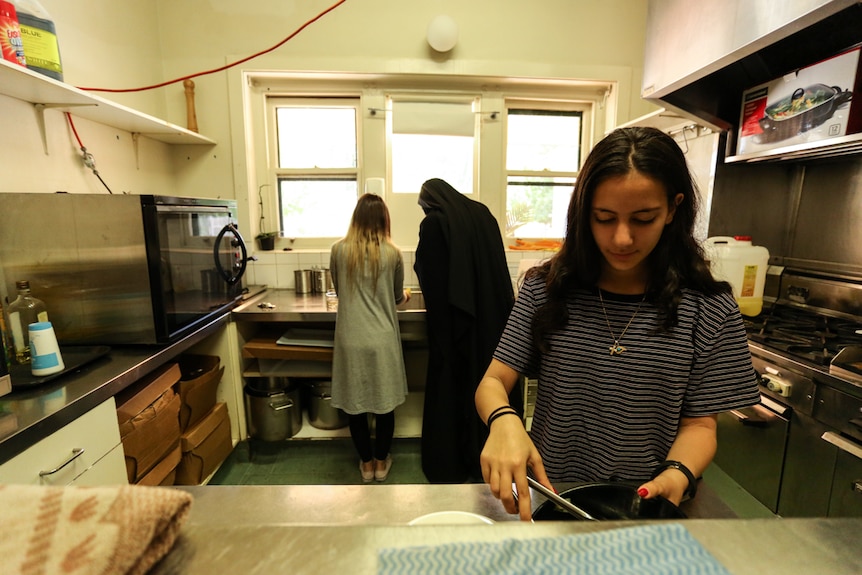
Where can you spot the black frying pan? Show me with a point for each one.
(609, 501)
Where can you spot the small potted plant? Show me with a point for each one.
(266, 240)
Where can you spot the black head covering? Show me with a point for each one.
(475, 245)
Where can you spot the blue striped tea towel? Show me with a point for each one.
(667, 549)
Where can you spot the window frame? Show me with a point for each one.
(586, 110)
(277, 173)
(255, 183)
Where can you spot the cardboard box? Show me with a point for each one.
(151, 434)
(141, 394)
(198, 385)
(818, 102)
(165, 470)
(204, 446)
(148, 414)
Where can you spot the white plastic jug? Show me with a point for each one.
(743, 265)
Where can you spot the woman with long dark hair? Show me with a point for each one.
(637, 348)
(368, 376)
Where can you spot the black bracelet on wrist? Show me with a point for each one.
(691, 490)
(501, 408)
(499, 413)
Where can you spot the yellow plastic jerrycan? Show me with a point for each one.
(743, 265)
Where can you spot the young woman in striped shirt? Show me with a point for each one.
(636, 347)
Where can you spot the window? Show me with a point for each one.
(543, 156)
(432, 140)
(316, 165)
(315, 142)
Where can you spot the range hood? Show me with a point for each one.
(701, 56)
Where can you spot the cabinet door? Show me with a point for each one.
(68, 452)
(109, 470)
(847, 482)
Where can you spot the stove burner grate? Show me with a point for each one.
(812, 337)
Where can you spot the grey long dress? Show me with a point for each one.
(368, 373)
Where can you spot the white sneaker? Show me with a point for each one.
(382, 474)
(367, 476)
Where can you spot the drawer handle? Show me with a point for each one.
(76, 453)
(749, 421)
(842, 443)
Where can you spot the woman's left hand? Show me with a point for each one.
(670, 484)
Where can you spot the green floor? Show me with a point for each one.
(312, 462)
(334, 462)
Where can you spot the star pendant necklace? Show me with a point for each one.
(616, 348)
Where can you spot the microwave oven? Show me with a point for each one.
(122, 269)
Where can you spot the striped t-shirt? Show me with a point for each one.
(600, 416)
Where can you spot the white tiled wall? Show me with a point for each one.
(275, 269)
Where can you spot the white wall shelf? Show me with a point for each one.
(44, 92)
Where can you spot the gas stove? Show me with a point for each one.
(813, 322)
(800, 450)
(804, 335)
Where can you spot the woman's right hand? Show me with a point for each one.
(507, 454)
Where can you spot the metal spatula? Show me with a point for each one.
(565, 504)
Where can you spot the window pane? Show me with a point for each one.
(420, 157)
(316, 137)
(316, 207)
(542, 140)
(536, 207)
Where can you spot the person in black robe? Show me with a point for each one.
(461, 267)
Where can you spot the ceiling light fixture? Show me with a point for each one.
(442, 33)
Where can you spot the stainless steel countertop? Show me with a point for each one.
(374, 504)
(289, 306)
(340, 529)
(42, 410)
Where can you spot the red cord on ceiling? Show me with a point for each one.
(226, 66)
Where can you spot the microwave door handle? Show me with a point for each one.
(230, 278)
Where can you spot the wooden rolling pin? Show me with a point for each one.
(191, 117)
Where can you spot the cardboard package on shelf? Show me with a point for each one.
(197, 387)
(148, 414)
(204, 446)
(165, 471)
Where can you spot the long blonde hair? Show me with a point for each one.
(369, 230)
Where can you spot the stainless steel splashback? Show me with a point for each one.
(85, 257)
(806, 214)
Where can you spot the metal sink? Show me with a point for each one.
(416, 303)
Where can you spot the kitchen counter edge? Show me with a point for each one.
(79, 392)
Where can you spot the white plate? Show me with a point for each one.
(451, 518)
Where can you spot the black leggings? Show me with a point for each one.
(360, 432)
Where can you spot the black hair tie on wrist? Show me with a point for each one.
(497, 413)
(691, 490)
(501, 408)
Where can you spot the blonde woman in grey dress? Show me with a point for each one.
(368, 376)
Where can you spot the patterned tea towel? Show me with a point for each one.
(647, 550)
(88, 530)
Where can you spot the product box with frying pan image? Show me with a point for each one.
(815, 103)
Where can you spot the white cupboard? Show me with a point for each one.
(86, 451)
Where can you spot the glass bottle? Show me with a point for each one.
(25, 310)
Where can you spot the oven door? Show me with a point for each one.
(196, 259)
(846, 499)
(751, 444)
